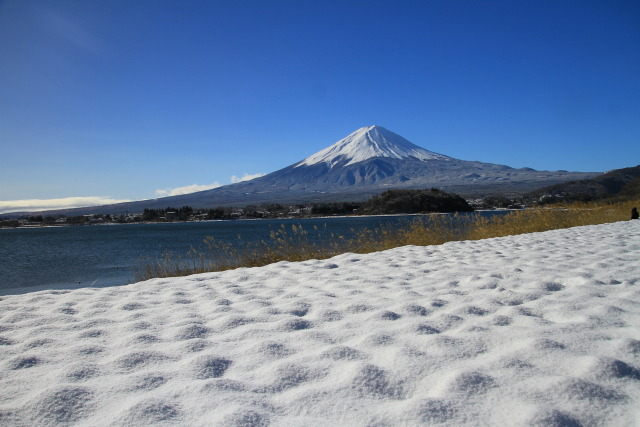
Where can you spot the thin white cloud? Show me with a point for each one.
(166, 192)
(186, 189)
(67, 29)
(245, 177)
(35, 205)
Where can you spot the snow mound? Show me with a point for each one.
(531, 330)
(367, 143)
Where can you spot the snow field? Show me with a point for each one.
(540, 329)
(367, 143)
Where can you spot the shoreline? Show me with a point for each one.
(31, 226)
(196, 230)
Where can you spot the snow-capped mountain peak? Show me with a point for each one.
(366, 143)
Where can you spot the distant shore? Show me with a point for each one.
(247, 219)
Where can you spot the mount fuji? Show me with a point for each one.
(373, 159)
(367, 162)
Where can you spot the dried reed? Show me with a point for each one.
(296, 244)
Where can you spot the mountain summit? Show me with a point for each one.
(368, 143)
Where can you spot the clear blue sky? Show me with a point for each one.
(120, 98)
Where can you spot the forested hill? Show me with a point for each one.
(414, 201)
(618, 183)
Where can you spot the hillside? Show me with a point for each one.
(414, 201)
(619, 183)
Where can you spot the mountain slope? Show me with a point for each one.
(618, 182)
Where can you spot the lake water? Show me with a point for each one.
(69, 257)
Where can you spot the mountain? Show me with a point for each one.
(618, 183)
(374, 159)
(365, 163)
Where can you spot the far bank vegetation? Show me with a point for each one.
(414, 201)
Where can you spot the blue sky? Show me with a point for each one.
(130, 100)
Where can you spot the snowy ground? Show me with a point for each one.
(538, 329)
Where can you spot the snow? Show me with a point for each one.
(367, 143)
(539, 329)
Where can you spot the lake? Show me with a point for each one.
(104, 255)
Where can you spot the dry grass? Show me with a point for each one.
(295, 244)
(551, 218)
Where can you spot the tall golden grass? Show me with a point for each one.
(295, 244)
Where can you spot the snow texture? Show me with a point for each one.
(532, 330)
(367, 143)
